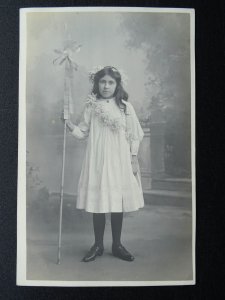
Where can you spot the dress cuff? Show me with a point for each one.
(134, 147)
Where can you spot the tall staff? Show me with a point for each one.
(65, 57)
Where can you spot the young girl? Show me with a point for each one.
(110, 176)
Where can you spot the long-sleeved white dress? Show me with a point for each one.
(107, 183)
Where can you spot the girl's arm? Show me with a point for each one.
(135, 129)
(81, 131)
(76, 131)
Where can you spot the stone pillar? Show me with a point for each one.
(157, 166)
(151, 153)
(144, 159)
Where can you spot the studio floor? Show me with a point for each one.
(160, 238)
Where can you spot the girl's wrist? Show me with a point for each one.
(70, 125)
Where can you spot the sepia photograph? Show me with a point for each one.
(106, 158)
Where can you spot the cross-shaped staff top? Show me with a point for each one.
(65, 55)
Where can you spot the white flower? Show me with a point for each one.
(91, 98)
(91, 74)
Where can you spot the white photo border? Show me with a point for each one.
(21, 181)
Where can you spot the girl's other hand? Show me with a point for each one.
(134, 163)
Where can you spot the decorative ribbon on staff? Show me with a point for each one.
(65, 57)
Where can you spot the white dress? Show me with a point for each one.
(107, 183)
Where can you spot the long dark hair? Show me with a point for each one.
(119, 94)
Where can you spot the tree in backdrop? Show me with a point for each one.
(164, 39)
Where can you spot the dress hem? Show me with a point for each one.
(111, 211)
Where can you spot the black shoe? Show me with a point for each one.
(120, 252)
(93, 253)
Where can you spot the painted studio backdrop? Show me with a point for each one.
(153, 50)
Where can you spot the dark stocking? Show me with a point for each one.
(116, 224)
(99, 227)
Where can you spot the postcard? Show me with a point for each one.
(106, 160)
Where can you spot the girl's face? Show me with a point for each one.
(107, 86)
